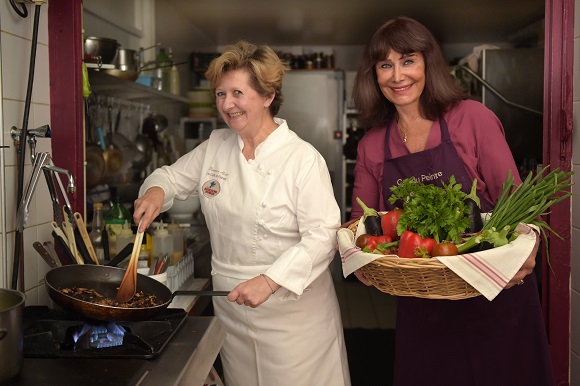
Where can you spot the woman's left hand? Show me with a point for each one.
(526, 268)
(252, 293)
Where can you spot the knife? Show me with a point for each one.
(44, 254)
(49, 246)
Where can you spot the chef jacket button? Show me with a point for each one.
(260, 167)
(260, 239)
(261, 222)
(265, 236)
(263, 204)
(270, 171)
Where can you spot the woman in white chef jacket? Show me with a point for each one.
(269, 206)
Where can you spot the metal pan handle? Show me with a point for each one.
(200, 293)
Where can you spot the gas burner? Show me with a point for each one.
(91, 336)
(50, 333)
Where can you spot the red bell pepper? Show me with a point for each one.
(389, 223)
(373, 241)
(412, 245)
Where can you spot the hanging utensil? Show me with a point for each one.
(129, 284)
(49, 246)
(24, 205)
(112, 155)
(44, 254)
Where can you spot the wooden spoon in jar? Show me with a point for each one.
(128, 286)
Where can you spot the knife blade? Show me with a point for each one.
(49, 246)
(44, 254)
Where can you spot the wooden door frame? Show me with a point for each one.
(65, 47)
(558, 125)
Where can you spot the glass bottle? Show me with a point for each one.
(97, 225)
(114, 221)
(163, 64)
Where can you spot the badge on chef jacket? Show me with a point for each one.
(211, 188)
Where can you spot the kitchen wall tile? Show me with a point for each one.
(32, 297)
(575, 321)
(31, 258)
(574, 364)
(576, 198)
(41, 85)
(15, 52)
(576, 123)
(10, 179)
(11, 22)
(575, 260)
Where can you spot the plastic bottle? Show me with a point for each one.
(178, 242)
(114, 221)
(97, 227)
(162, 243)
(125, 237)
(174, 81)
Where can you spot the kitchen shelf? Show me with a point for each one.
(109, 85)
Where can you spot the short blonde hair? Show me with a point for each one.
(265, 67)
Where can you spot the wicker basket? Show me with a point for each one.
(420, 277)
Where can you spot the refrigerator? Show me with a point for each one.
(517, 75)
(313, 106)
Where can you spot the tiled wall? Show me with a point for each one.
(15, 48)
(575, 261)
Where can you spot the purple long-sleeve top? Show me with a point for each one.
(478, 137)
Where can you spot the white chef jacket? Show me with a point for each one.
(275, 214)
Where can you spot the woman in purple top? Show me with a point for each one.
(424, 126)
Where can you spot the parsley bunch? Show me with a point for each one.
(432, 211)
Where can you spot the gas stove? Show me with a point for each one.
(169, 349)
(51, 333)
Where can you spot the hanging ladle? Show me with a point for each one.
(128, 285)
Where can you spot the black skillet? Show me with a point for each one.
(106, 280)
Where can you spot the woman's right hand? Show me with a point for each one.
(148, 207)
(362, 278)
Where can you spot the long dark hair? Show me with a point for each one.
(403, 35)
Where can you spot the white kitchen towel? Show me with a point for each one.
(487, 271)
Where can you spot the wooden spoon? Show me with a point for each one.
(128, 286)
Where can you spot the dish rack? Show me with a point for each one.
(177, 274)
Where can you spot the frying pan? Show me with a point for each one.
(106, 280)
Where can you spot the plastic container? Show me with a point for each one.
(162, 243)
(125, 237)
(178, 242)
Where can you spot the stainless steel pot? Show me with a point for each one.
(11, 308)
(101, 50)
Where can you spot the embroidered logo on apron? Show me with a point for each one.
(211, 188)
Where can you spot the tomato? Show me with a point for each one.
(362, 240)
(445, 249)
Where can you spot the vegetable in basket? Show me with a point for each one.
(473, 202)
(432, 211)
(389, 222)
(371, 219)
(383, 244)
(525, 203)
(413, 245)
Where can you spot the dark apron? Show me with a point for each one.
(471, 342)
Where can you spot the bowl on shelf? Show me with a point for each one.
(101, 50)
(183, 211)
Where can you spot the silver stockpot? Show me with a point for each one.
(11, 309)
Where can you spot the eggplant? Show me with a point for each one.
(473, 203)
(371, 219)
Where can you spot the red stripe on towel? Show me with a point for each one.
(486, 270)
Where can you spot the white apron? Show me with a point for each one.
(277, 215)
